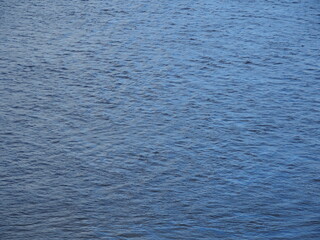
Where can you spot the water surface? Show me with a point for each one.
(159, 119)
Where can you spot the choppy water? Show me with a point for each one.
(148, 119)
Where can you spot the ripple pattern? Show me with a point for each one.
(159, 119)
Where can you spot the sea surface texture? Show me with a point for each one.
(159, 119)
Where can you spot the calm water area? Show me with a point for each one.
(158, 119)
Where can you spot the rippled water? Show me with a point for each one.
(159, 119)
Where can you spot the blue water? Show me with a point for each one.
(145, 119)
